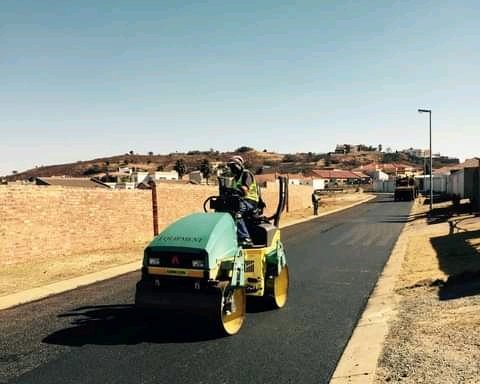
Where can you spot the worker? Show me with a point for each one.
(245, 184)
(315, 202)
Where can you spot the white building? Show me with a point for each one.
(139, 177)
(380, 176)
(170, 175)
(316, 183)
(417, 152)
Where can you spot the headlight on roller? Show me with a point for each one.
(154, 261)
(198, 263)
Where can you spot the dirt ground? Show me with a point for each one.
(22, 276)
(435, 338)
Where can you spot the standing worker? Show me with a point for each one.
(315, 202)
(245, 184)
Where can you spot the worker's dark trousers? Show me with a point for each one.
(315, 209)
(242, 230)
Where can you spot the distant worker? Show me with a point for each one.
(245, 184)
(315, 202)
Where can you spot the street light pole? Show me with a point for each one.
(429, 111)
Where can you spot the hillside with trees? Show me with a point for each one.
(258, 161)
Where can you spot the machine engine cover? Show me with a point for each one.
(213, 235)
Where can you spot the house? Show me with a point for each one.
(393, 169)
(364, 179)
(139, 177)
(166, 175)
(314, 182)
(380, 176)
(468, 163)
(415, 152)
(335, 177)
(78, 182)
(295, 178)
(217, 168)
(124, 170)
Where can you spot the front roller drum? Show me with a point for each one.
(277, 293)
(231, 310)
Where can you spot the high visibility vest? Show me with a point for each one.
(252, 192)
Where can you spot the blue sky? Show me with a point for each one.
(91, 78)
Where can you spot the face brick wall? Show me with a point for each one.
(48, 220)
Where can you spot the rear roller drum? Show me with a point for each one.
(278, 292)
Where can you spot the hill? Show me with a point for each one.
(258, 161)
(254, 159)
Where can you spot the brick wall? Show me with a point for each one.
(36, 221)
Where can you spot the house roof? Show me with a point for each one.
(361, 174)
(387, 167)
(333, 174)
(474, 162)
(71, 182)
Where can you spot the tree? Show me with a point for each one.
(131, 153)
(206, 169)
(380, 147)
(94, 169)
(290, 158)
(150, 153)
(180, 167)
(244, 149)
(14, 172)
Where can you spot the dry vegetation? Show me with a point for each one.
(436, 335)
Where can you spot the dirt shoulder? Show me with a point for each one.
(435, 337)
(47, 269)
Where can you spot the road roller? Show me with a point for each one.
(197, 266)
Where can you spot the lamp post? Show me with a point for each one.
(429, 111)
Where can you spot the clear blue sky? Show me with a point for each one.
(91, 78)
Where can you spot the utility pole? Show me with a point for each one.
(429, 111)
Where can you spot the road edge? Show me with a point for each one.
(39, 293)
(359, 360)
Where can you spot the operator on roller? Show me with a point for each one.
(245, 183)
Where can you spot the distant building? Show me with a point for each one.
(380, 176)
(393, 169)
(414, 152)
(468, 163)
(124, 170)
(139, 177)
(335, 177)
(217, 168)
(353, 148)
(166, 175)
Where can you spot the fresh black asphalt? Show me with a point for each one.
(93, 334)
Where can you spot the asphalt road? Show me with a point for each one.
(93, 334)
